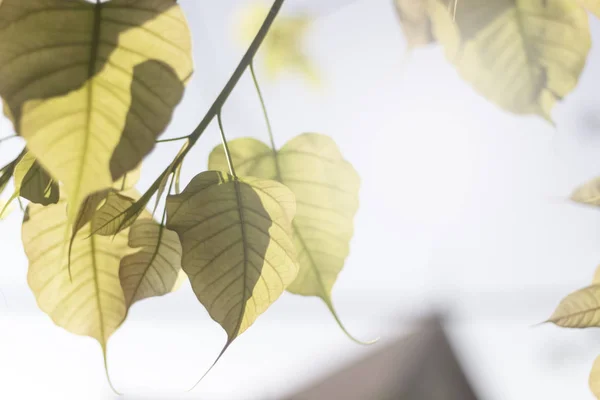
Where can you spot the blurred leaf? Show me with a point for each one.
(80, 96)
(415, 22)
(237, 245)
(326, 188)
(592, 6)
(282, 48)
(594, 379)
(588, 193)
(92, 304)
(155, 268)
(521, 55)
(580, 309)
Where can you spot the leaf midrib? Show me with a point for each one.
(238, 195)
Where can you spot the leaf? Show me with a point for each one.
(33, 183)
(594, 380)
(326, 189)
(282, 49)
(580, 309)
(92, 304)
(592, 6)
(153, 270)
(415, 22)
(237, 246)
(589, 193)
(108, 219)
(523, 56)
(82, 97)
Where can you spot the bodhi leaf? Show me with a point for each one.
(415, 22)
(84, 83)
(592, 6)
(92, 304)
(155, 269)
(589, 193)
(282, 48)
(594, 380)
(580, 309)
(523, 56)
(237, 247)
(33, 183)
(104, 222)
(326, 188)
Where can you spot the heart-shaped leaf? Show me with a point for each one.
(91, 85)
(326, 188)
(522, 55)
(91, 301)
(237, 245)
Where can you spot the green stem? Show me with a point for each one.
(172, 139)
(264, 107)
(226, 147)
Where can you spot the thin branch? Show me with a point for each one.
(173, 139)
(226, 147)
(264, 107)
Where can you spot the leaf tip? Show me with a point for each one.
(229, 341)
(112, 387)
(343, 328)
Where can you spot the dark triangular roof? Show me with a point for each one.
(421, 366)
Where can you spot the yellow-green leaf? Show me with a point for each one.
(588, 193)
(282, 49)
(415, 22)
(83, 97)
(155, 268)
(580, 309)
(326, 188)
(594, 379)
(592, 6)
(237, 245)
(33, 183)
(523, 56)
(107, 220)
(92, 304)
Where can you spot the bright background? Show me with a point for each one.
(463, 207)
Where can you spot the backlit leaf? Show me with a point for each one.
(415, 22)
(592, 6)
(282, 49)
(588, 193)
(594, 379)
(155, 268)
(92, 304)
(326, 188)
(580, 309)
(237, 245)
(33, 183)
(86, 83)
(106, 220)
(522, 55)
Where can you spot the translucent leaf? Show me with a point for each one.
(155, 268)
(33, 183)
(580, 309)
(589, 193)
(92, 304)
(282, 49)
(594, 379)
(106, 220)
(415, 22)
(90, 100)
(523, 56)
(592, 6)
(326, 189)
(237, 245)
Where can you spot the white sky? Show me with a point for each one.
(462, 206)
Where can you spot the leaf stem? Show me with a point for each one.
(226, 147)
(173, 139)
(263, 105)
(223, 96)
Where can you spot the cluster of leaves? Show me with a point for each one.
(91, 87)
(524, 56)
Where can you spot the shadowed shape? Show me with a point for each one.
(148, 116)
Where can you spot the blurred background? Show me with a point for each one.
(464, 212)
